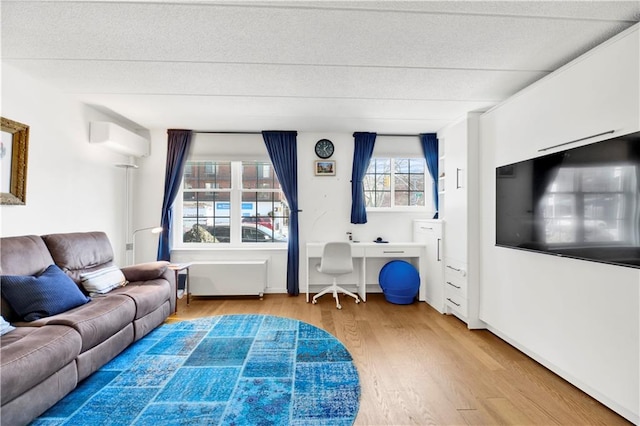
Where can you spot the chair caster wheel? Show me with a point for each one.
(314, 302)
(339, 306)
(357, 301)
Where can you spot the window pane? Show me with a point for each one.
(207, 175)
(265, 217)
(383, 165)
(383, 199)
(259, 175)
(409, 182)
(402, 181)
(401, 165)
(416, 166)
(417, 198)
(416, 182)
(201, 210)
(402, 198)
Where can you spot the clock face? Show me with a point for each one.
(324, 148)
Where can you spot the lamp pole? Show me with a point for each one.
(132, 245)
(127, 202)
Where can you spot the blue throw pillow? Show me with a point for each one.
(35, 297)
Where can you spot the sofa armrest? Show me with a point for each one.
(145, 271)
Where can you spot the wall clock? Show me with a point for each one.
(324, 148)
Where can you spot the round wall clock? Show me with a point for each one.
(324, 148)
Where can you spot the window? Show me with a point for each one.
(231, 202)
(395, 183)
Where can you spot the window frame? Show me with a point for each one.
(235, 192)
(429, 204)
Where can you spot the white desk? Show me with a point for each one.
(413, 252)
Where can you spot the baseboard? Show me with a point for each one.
(624, 412)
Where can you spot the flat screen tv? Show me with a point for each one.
(582, 203)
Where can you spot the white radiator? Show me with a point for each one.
(228, 278)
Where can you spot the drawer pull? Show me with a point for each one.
(426, 227)
(460, 271)
(457, 304)
(393, 251)
(453, 285)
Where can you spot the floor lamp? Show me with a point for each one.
(132, 245)
(127, 204)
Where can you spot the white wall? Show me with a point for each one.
(72, 186)
(325, 202)
(578, 318)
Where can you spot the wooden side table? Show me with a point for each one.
(177, 267)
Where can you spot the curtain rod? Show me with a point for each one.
(226, 133)
(259, 133)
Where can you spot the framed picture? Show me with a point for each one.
(14, 145)
(325, 168)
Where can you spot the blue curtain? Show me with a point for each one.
(284, 157)
(178, 145)
(363, 149)
(430, 147)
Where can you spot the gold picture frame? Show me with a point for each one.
(19, 149)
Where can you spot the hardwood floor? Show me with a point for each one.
(419, 367)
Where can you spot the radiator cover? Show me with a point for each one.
(228, 278)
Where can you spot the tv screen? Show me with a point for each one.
(582, 203)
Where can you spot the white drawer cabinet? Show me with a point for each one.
(461, 220)
(456, 288)
(456, 304)
(456, 282)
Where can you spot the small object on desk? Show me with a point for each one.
(379, 240)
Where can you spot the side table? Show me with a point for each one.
(177, 267)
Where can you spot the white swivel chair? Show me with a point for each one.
(336, 260)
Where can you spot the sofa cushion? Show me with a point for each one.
(96, 321)
(147, 295)
(31, 354)
(35, 297)
(103, 280)
(79, 252)
(145, 271)
(25, 255)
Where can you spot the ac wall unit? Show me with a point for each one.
(118, 139)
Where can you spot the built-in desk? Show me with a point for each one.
(411, 252)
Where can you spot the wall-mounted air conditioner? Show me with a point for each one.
(118, 139)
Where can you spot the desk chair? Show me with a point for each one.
(336, 260)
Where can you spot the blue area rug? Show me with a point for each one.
(224, 370)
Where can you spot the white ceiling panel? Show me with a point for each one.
(213, 79)
(304, 65)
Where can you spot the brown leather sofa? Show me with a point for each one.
(43, 360)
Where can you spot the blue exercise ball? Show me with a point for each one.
(400, 282)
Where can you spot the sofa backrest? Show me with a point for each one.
(24, 255)
(79, 252)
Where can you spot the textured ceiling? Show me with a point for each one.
(385, 66)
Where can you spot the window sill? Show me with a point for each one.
(279, 247)
(417, 210)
